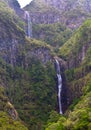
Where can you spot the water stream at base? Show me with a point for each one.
(59, 85)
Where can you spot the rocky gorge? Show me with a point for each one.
(28, 77)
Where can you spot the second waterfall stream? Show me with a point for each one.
(59, 85)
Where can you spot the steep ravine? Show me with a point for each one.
(77, 81)
(75, 53)
(28, 76)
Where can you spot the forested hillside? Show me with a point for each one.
(76, 53)
(24, 73)
(33, 70)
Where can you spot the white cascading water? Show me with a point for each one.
(59, 85)
(29, 24)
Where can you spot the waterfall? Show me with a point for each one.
(59, 85)
(29, 24)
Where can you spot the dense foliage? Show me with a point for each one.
(6, 121)
(75, 44)
(27, 74)
(32, 91)
(28, 78)
(54, 34)
(79, 118)
(78, 82)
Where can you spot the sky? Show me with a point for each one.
(24, 2)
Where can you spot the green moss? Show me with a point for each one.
(35, 44)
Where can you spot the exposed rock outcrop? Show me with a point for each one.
(72, 13)
(41, 53)
(11, 110)
(66, 5)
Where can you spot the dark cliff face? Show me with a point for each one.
(15, 48)
(40, 12)
(75, 50)
(14, 5)
(13, 42)
(11, 35)
(67, 5)
(45, 18)
(72, 13)
(76, 53)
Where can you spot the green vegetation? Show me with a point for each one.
(32, 89)
(78, 82)
(78, 119)
(9, 23)
(8, 17)
(76, 14)
(41, 7)
(76, 51)
(27, 75)
(53, 34)
(7, 123)
(29, 84)
(74, 45)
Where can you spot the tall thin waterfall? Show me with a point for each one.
(29, 24)
(59, 85)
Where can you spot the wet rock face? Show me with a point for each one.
(42, 54)
(13, 53)
(63, 64)
(74, 62)
(11, 110)
(9, 49)
(74, 81)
